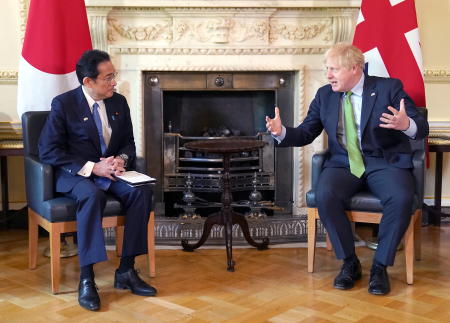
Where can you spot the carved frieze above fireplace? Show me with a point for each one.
(185, 30)
(232, 35)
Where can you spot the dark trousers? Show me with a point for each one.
(91, 201)
(395, 189)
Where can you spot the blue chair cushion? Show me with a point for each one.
(62, 209)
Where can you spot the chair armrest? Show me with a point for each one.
(140, 165)
(419, 173)
(317, 162)
(38, 182)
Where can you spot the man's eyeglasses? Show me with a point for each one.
(109, 78)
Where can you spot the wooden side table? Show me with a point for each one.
(226, 216)
(439, 145)
(8, 147)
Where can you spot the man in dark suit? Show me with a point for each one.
(369, 121)
(88, 138)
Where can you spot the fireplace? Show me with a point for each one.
(216, 40)
(184, 106)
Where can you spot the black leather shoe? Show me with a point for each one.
(350, 272)
(87, 295)
(379, 280)
(131, 280)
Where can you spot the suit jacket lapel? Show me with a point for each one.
(85, 115)
(333, 113)
(368, 101)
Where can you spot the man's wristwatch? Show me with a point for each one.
(125, 158)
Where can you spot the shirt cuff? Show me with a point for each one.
(86, 171)
(280, 138)
(411, 132)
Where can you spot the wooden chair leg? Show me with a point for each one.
(311, 238)
(33, 234)
(119, 240)
(55, 256)
(418, 235)
(409, 250)
(151, 244)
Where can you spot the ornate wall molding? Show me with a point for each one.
(226, 3)
(23, 14)
(132, 50)
(300, 200)
(305, 32)
(97, 18)
(437, 75)
(138, 33)
(8, 77)
(189, 31)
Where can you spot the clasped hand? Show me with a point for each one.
(107, 167)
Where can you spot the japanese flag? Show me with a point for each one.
(57, 34)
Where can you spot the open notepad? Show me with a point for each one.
(135, 178)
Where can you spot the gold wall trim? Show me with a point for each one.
(437, 75)
(8, 77)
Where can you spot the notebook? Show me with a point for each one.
(135, 178)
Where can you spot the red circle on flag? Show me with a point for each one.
(57, 34)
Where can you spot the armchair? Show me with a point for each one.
(366, 208)
(56, 213)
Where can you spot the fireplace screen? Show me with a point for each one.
(183, 107)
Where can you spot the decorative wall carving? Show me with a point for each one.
(139, 33)
(23, 13)
(302, 32)
(257, 28)
(220, 30)
(128, 50)
(97, 19)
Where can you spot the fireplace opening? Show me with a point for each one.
(182, 107)
(217, 113)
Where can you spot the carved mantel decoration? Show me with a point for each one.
(144, 35)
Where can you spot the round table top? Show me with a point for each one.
(225, 145)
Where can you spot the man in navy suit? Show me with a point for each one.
(88, 138)
(376, 154)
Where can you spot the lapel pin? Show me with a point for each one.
(85, 119)
(372, 94)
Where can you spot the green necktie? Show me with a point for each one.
(354, 154)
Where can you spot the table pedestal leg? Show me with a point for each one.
(227, 218)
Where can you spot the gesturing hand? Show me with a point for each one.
(104, 168)
(398, 120)
(274, 126)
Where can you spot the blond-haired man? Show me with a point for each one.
(369, 121)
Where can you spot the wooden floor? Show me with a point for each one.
(267, 286)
